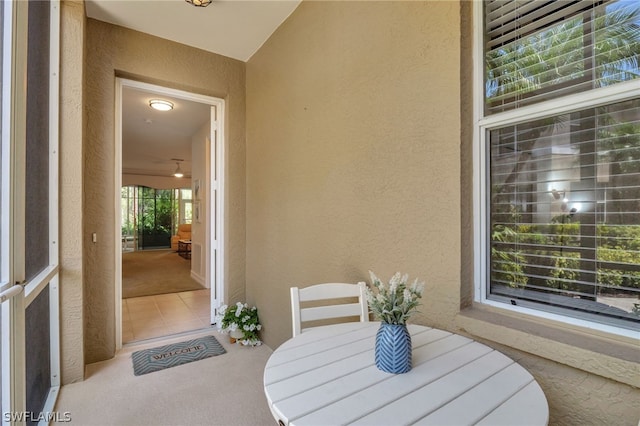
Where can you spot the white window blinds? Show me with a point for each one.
(565, 211)
(539, 50)
(562, 217)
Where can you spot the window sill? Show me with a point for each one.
(614, 357)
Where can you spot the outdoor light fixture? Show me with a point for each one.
(160, 105)
(199, 3)
(178, 173)
(557, 195)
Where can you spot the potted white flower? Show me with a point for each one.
(240, 322)
(393, 304)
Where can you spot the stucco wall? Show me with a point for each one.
(353, 147)
(72, 27)
(115, 51)
(359, 157)
(199, 250)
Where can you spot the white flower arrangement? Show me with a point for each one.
(240, 317)
(394, 303)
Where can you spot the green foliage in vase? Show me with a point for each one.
(394, 303)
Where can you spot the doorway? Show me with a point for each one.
(169, 172)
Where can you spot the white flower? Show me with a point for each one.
(218, 320)
(417, 287)
(395, 305)
(240, 318)
(404, 279)
(393, 282)
(376, 282)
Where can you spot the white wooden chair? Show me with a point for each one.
(327, 291)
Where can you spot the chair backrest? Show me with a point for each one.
(184, 231)
(325, 292)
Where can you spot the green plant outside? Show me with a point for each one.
(150, 214)
(616, 244)
(550, 254)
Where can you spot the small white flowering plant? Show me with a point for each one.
(240, 317)
(394, 303)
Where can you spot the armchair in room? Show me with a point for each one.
(184, 233)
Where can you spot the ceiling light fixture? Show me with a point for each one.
(199, 3)
(178, 173)
(160, 105)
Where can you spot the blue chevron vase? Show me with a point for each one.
(393, 348)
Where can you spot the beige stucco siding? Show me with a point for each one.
(359, 156)
(115, 51)
(353, 147)
(72, 27)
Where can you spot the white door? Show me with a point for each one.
(215, 269)
(29, 340)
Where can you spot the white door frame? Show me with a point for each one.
(12, 217)
(13, 129)
(215, 169)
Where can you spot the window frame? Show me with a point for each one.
(485, 123)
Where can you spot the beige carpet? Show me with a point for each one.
(147, 273)
(223, 390)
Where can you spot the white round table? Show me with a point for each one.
(327, 376)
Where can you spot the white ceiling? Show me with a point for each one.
(151, 139)
(232, 28)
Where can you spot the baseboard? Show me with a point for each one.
(199, 278)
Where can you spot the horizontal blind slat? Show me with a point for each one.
(534, 19)
(554, 191)
(525, 67)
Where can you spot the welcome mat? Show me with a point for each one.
(150, 360)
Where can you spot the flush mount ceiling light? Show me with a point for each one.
(199, 3)
(160, 105)
(178, 173)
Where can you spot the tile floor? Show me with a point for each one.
(153, 316)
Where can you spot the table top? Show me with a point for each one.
(327, 376)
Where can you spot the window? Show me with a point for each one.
(150, 216)
(559, 160)
(186, 206)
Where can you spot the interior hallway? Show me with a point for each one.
(161, 315)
